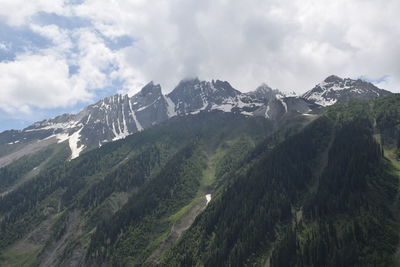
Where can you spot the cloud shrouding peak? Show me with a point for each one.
(291, 45)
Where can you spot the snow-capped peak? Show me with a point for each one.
(335, 89)
(266, 93)
(118, 116)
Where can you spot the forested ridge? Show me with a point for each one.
(324, 197)
(318, 190)
(106, 181)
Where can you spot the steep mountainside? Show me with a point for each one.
(327, 196)
(207, 175)
(108, 120)
(158, 178)
(214, 189)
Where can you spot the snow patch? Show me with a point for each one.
(90, 115)
(288, 94)
(208, 198)
(121, 134)
(170, 107)
(266, 112)
(308, 114)
(246, 113)
(73, 144)
(125, 132)
(103, 105)
(321, 100)
(240, 103)
(143, 108)
(284, 104)
(62, 137)
(114, 131)
(138, 125)
(223, 107)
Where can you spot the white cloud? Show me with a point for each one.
(61, 38)
(289, 44)
(39, 81)
(19, 12)
(43, 80)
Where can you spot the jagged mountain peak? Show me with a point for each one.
(265, 93)
(263, 88)
(194, 95)
(150, 88)
(118, 116)
(224, 86)
(189, 85)
(335, 89)
(333, 78)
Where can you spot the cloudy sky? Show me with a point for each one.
(58, 56)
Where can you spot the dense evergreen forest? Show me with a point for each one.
(69, 201)
(324, 197)
(318, 190)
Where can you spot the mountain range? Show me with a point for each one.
(208, 176)
(118, 116)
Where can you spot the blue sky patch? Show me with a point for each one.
(70, 22)
(117, 43)
(20, 40)
(378, 80)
